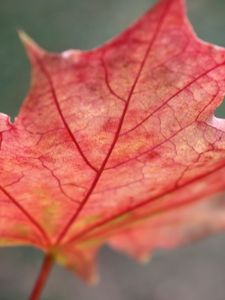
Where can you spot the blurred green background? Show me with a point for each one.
(195, 272)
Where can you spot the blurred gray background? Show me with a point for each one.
(196, 272)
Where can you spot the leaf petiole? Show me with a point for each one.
(42, 277)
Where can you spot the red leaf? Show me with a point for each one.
(117, 144)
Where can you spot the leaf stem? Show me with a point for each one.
(42, 277)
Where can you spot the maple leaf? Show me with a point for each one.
(118, 144)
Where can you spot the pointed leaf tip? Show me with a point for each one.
(179, 4)
(93, 280)
(33, 50)
(145, 259)
(182, 2)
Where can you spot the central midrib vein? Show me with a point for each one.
(116, 137)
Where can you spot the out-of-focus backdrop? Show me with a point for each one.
(195, 272)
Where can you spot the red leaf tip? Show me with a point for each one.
(93, 280)
(33, 50)
(179, 4)
(145, 259)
